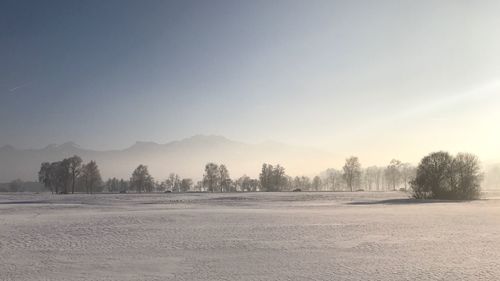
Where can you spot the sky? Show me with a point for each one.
(377, 79)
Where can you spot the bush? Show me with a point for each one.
(442, 176)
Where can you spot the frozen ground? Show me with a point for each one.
(253, 236)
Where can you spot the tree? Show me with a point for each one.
(224, 179)
(316, 183)
(112, 185)
(272, 178)
(442, 176)
(333, 179)
(467, 176)
(379, 178)
(253, 185)
(211, 177)
(74, 165)
(16, 185)
(303, 183)
(53, 176)
(45, 176)
(124, 185)
(141, 180)
(352, 172)
(407, 174)
(173, 182)
(91, 177)
(265, 177)
(64, 175)
(186, 185)
(245, 183)
(393, 173)
(371, 177)
(279, 178)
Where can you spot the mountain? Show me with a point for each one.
(186, 157)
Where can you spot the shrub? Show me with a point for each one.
(442, 176)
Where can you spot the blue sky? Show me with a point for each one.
(379, 79)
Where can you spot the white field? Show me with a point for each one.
(252, 236)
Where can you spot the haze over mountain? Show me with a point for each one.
(186, 157)
(375, 79)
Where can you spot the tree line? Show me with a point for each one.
(439, 175)
(72, 175)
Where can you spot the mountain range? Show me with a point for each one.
(185, 157)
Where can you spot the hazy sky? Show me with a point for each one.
(379, 79)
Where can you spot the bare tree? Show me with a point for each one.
(74, 165)
(407, 174)
(352, 172)
(316, 183)
(333, 179)
(371, 174)
(393, 173)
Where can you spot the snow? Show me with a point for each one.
(247, 236)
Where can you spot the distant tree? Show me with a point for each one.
(53, 176)
(198, 186)
(303, 183)
(16, 186)
(211, 177)
(186, 185)
(253, 185)
(380, 179)
(467, 176)
(370, 178)
(393, 173)
(266, 176)
(407, 174)
(245, 183)
(112, 185)
(279, 178)
(64, 175)
(352, 172)
(45, 176)
(296, 183)
(90, 176)
(74, 165)
(124, 185)
(272, 178)
(241, 183)
(224, 179)
(333, 179)
(161, 186)
(173, 182)
(442, 176)
(316, 183)
(141, 180)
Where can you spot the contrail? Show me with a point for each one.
(19, 87)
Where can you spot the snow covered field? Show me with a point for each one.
(251, 236)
